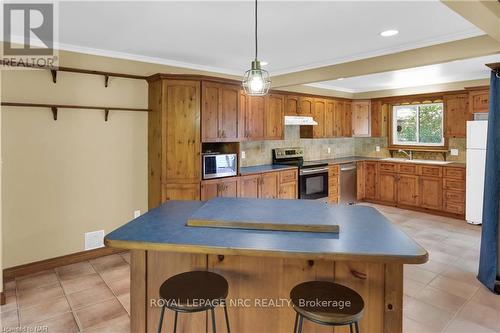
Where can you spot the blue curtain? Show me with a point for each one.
(488, 262)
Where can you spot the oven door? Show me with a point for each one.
(313, 183)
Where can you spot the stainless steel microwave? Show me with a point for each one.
(219, 165)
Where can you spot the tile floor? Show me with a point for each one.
(442, 295)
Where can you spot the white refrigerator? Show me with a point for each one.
(476, 163)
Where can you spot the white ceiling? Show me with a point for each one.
(455, 71)
(218, 36)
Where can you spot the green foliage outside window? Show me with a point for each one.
(418, 124)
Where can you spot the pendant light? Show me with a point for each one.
(256, 81)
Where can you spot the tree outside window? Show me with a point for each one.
(418, 125)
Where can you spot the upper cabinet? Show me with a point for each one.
(347, 119)
(275, 115)
(262, 117)
(479, 99)
(361, 118)
(292, 105)
(220, 112)
(306, 106)
(330, 119)
(456, 115)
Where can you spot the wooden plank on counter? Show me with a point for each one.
(273, 214)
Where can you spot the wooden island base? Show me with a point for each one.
(264, 280)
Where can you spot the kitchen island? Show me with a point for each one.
(262, 266)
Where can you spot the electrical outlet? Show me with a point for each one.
(329, 150)
(137, 213)
(377, 148)
(454, 152)
(243, 155)
(94, 239)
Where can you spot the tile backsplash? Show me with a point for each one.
(259, 152)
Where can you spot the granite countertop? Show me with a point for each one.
(365, 235)
(264, 168)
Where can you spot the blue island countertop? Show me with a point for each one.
(264, 168)
(365, 235)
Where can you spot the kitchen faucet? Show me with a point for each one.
(410, 155)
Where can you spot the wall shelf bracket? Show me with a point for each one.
(54, 112)
(106, 80)
(106, 114)
(54, 75)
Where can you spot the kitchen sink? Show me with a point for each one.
(394, 159)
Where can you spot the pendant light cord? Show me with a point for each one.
(256, 30)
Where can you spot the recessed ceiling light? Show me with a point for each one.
(389, 33)
(264, 63)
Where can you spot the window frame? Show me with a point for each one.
(430, 146)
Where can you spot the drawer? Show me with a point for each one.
(454, 173)
(387, 167)
(288, 176)
(452, 184)
(333, 170)
(432, 171)
(453, 207)
(408, 168)
(454, 196)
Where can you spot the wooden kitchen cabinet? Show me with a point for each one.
(292, 105)
(220, 112)
(288, 184)
(306, 106)
(249, 186)
(274, 120)
(254, 113)
(431, 192)
(370, 184)
(388, 187)
(408, 192)
(338, 118)
(456, 115)
(269, 185)
(377, 119)
(361, 118)
(181, 191)
(330, 118)
(333, 183)
(479, 99)
(346, 119)
(318, 114)
(225, 187)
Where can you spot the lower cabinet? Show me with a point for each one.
(249, 186)
(226, 187)
(288, 184)
(182, 191)
(333, 183)
(431, 192)
(408, 189)
(429, 187)
(388, 187)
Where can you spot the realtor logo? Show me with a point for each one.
(29, 35)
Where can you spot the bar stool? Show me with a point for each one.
(183, 293)
(315, 301)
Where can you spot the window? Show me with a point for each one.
(418, 125)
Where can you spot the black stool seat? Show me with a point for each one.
(326, 303)
(194, 291)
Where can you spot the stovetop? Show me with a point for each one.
(301, 164)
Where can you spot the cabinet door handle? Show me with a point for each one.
(359, 275)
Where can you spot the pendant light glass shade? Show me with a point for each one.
(256, 81)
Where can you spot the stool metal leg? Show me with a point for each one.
(175, 321)
(213, 320)
(356, 326)
(161, 319)
(227, 318)
(350, 328)
(300, 324)
(296, 320)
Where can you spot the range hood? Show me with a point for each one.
(299, 120)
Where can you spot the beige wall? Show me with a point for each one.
(77, 174)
